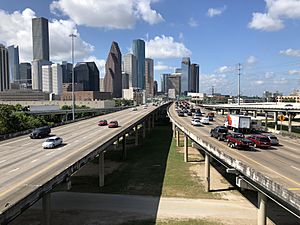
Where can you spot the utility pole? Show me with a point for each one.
(239, 83)
(73, 82)
(212, 90)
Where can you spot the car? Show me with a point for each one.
(210, 116)
(144, 106)
(113, 124)
(40, 132)
(288, 105)
(198, 114)
(52, 142)
(238, 140)
(189, 113)
(134, 109)
(180, 113)
(102, 123)
(273, 139)
(196, 122)
(260, 141)
(204, 120)
(219, 132)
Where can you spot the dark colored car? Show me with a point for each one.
(238, 140)
(113, 124)
(189, 113)
(210, 116)
(219, 132)
(260, 141)
(180, 113)
(40, 132)
(102, 123)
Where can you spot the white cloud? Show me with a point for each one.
(212, 12)
(15, 28)
(281, 81)
(116, 14)
(290, 52)
(263, 21)
(259, 82)
(165, 47)
(251, 60)
(160, 66)
(276, 12)
(99, 62)
(294, 72)
(225, 69)
(269, 75)
(193, 22)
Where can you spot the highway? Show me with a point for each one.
(279, 163)
(25, 165)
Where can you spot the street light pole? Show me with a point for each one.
(239, 83)
(73, 82)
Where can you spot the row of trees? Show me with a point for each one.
(14, 119)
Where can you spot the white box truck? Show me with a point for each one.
(238, 122)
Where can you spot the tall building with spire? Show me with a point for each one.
(113, 71)
(138, 49)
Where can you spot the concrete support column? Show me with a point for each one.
(266, 120)
(101, 169)
(124, 151)
(149, 124)
(136, 135)
(178, 138)
(153, 120)
(174, 130)
(262, 209)
(186, 148)
(290, 123)
(207, 172)
(276, 120)
(46, 202)
(255, 114)
(144, 129)
(117, 144)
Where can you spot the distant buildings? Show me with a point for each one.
(130, 67)
(149, 77)
(138, 48)
(66, 72)
(155, 88)
(185, 74)
(87, 73)
(113, 73)
(52, 79)
(4, 69)
(13, 59)
(174, 83)
(194, 78)
(25, 74)
(37, 79)
(125, 80)
(164, 83)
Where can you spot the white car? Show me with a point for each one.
(134, 109)
(204, 120)
(52, 142)
(196, 122)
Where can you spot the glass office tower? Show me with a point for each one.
(138, 48)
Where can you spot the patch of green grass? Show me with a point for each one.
(178, 181)
(172, 222)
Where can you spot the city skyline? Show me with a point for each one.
(210, 34)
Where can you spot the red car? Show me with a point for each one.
(260, 141)
(102, 123)
(113, 124)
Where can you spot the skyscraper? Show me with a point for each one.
(185, 74)
(25, 73)
(138, 48)
(130, 67)
(113, 73)
(164, 82)
(4, 68)
(174, 82)
(155, 87)
(149, 77)
(13, 60)
(40, 38)
(87, 73)
(194, 85)
(125, 80)
(52, 78)
(40, 43)
(66, 72)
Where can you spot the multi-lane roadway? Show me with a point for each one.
(25, 165)
(279, 163)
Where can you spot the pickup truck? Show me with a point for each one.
(219, 132)
(238, 140)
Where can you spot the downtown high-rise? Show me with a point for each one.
(194, 78)
(138, 49)
(13, 58)
(113, 71)
(149, 77)
(185, 75)
(130, 68)
(4, 68)
(40, 43)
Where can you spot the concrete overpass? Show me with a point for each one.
(28, 172)
(273, 173)
(289, 109)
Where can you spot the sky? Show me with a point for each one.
(261, 35)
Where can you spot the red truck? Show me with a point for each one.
(238, 140)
